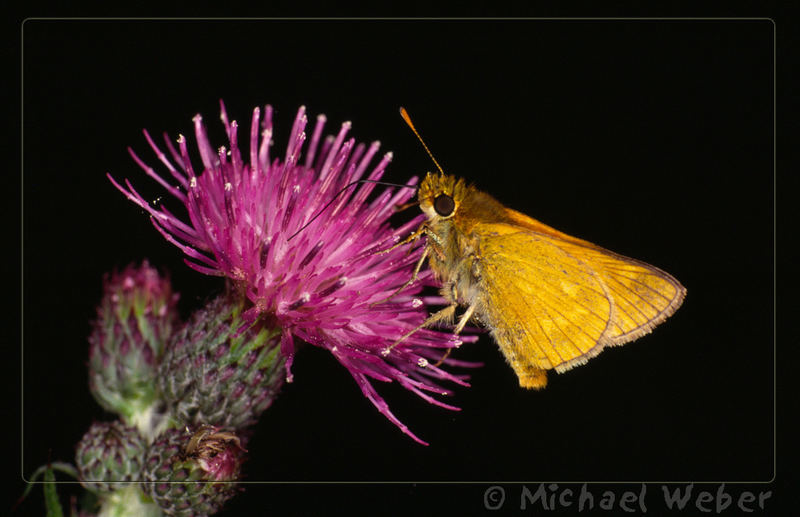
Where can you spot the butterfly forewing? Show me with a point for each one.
(643, 295)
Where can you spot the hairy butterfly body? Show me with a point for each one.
(551, 301)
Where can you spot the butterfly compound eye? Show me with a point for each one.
(444, 205)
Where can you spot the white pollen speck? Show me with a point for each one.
(305, 297)
(228, 186)
(333, 349)
(422, 362)
(416, 302)
(296, 189)
(385, 351)
(193, 182)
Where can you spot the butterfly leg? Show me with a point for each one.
(464, 319)
(423, 228)
(411, 281)
(404, 206)
(461, 323)
(445, 314)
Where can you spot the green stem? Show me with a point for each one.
(128, 502)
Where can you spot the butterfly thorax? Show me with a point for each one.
(453, 247)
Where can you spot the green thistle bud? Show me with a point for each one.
(109, 456)
(193, 473)
(215, 373)
(135, 319)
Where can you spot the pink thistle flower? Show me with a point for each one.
(327, 286)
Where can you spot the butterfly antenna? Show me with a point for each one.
(343, 189)
(407, 118)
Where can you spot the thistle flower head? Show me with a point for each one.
(327, 285)
(135, 319)
(192, 472)
(109, 456)
(214, 374)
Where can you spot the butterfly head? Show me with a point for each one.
(440, 195)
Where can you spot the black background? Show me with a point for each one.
(651, 138)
